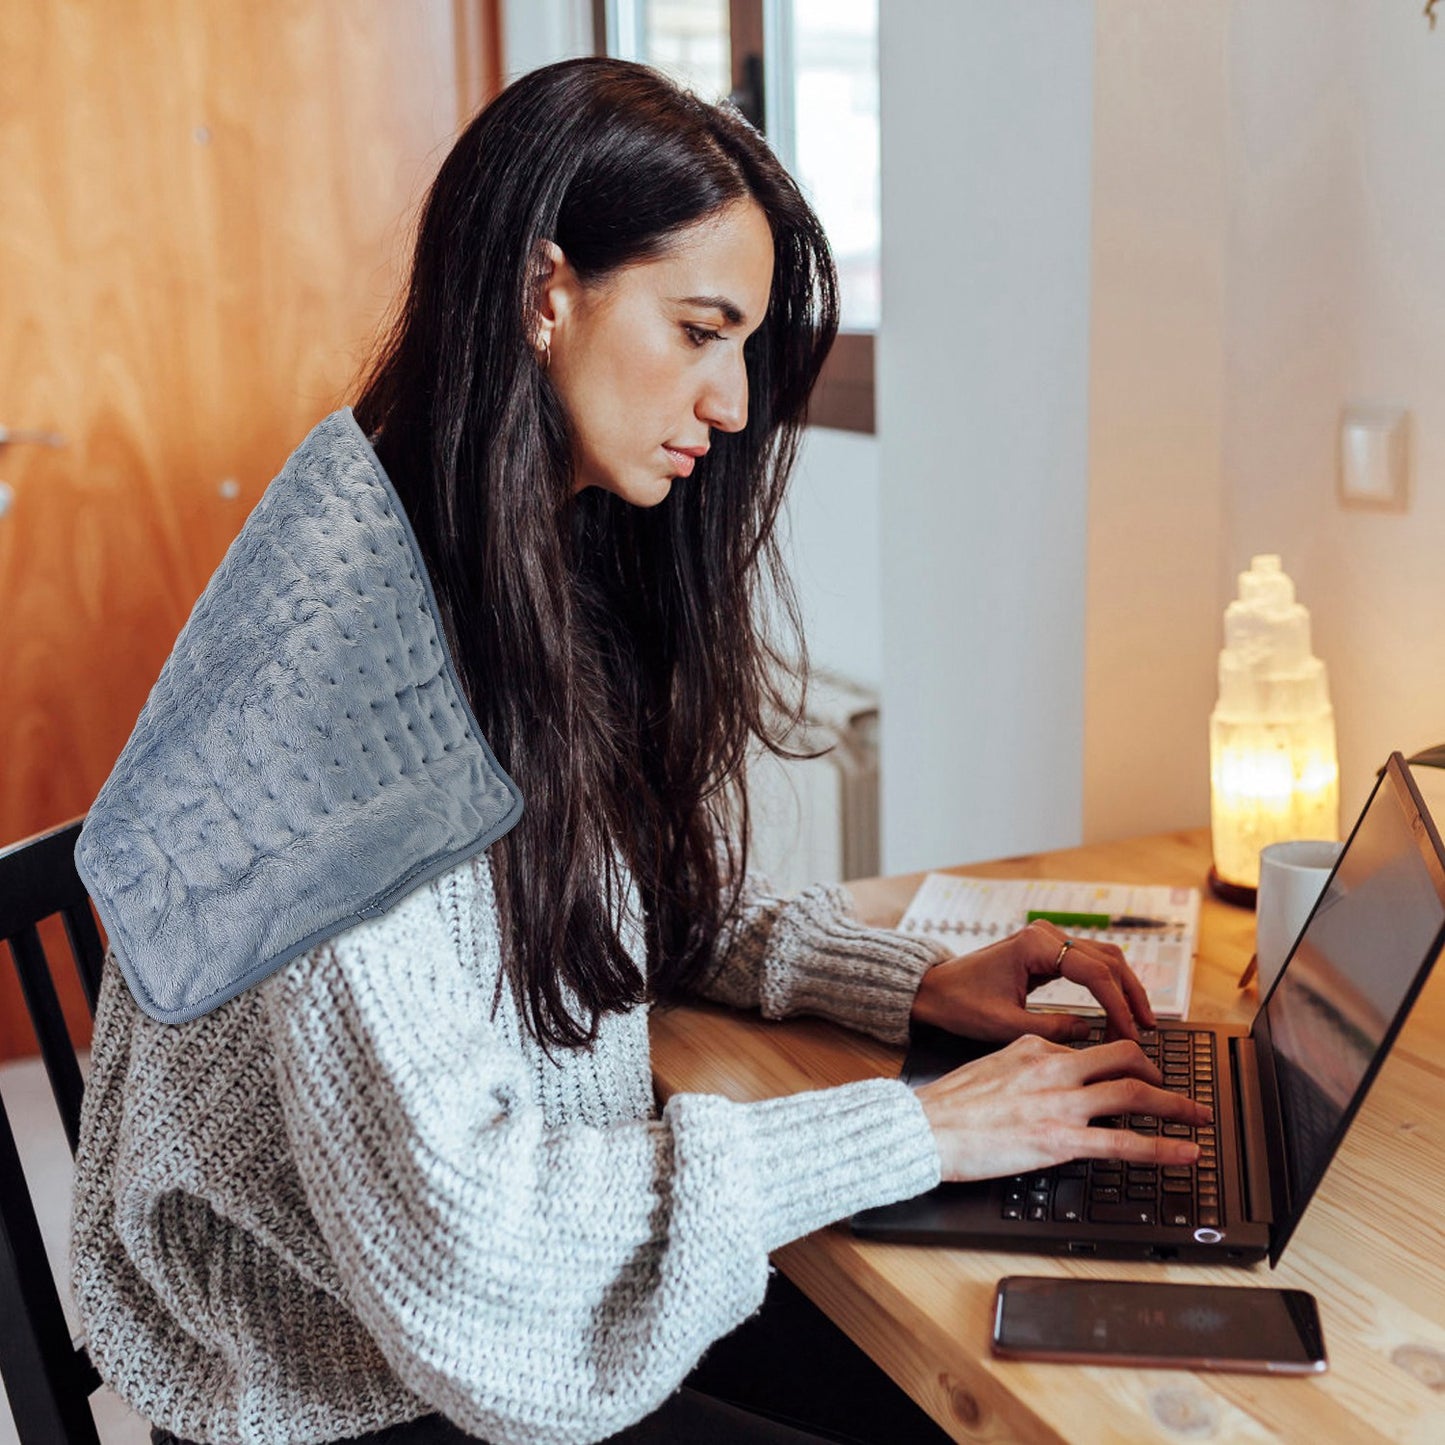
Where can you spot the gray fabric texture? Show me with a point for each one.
(363, 1191)
(306, 757)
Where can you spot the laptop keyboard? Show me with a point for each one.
(1111, 1191)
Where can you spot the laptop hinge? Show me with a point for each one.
(1253, 1144)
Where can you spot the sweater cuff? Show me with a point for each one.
(867, 1144)
(860, 976)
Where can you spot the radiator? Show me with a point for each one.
(817, 821)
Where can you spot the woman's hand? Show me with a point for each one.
(984, 995)
(1028, 1106)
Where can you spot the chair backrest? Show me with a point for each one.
(48, 1377)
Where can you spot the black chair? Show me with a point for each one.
(47, 1375)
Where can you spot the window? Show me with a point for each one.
(806, 73)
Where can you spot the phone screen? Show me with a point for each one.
(1141, 1322)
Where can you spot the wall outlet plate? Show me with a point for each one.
(1375, 458)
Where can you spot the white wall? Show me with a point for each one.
(1156, 375)
(832, 515)
(1269, 247)
(983, 425)
(1336, 264)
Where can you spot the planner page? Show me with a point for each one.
(969, 913)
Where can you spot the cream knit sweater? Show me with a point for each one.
(352, 1195)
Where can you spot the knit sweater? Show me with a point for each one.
(327, 1180)
(354, 1194)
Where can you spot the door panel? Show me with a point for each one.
(204, 218)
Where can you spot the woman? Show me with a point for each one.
(369, 1145)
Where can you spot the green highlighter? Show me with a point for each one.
(1094, 920)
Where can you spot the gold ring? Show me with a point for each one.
(1059, 961)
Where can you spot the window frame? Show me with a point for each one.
(844, 397)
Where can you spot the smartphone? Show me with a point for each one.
(1179, 1326)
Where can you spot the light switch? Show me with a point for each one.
(1374, 458)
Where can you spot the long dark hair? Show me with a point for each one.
(619, 659)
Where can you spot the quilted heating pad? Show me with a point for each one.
(307, 756)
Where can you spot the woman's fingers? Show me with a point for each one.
(1112, 1096)
(1055, 1027)
(1118, 1078)
(1082, 967)
(1107, 1061)
(1031, 1105)
(1134, 1096)
(1136, 996)
(1133, 989)
(1104, 971)
(1131, 1147)
(1099, 967)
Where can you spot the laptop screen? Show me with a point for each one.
(1356, 967)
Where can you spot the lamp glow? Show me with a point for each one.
(1274, 773)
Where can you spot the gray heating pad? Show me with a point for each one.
(306, 757)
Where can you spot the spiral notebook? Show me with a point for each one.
(969, 913)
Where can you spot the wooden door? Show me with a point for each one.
(204, 216)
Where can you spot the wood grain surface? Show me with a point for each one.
(207, 212)
(1371, 1247)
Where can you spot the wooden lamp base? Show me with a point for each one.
(1235, 893)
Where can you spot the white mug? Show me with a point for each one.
(1291, 876)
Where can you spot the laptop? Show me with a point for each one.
(1285, 1089)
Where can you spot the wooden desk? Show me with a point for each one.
(1374, 1259)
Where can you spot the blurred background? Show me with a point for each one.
(1114, 272)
